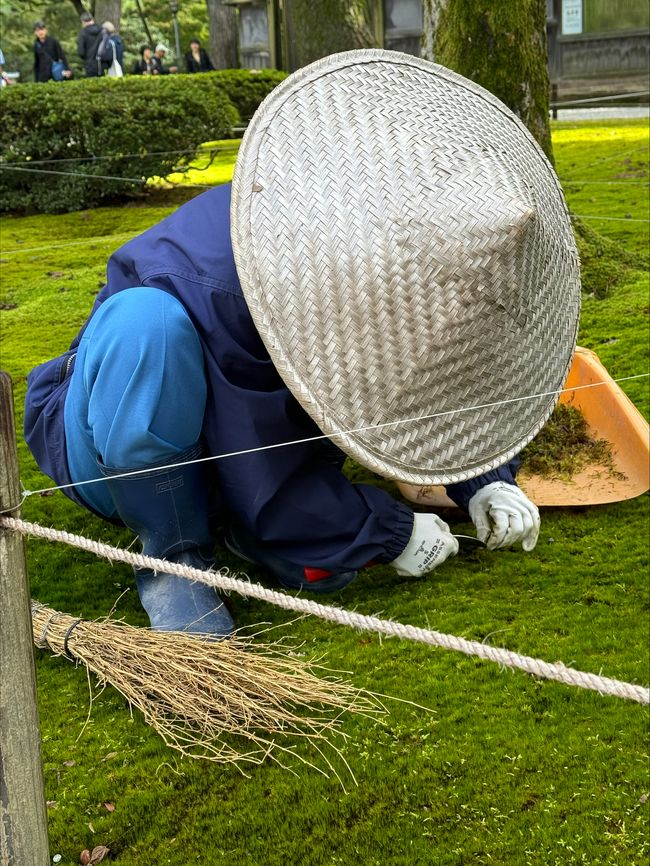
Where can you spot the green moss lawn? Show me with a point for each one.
(503, 768)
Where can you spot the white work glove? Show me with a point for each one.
(430, 544)
(503, 515)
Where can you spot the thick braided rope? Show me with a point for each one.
(219, 580)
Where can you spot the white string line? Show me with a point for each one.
(209, 151)
(221, 581)
(563, 180)
(227, 149)
(28, 163)
(174, 170)
(610, 182)
(609, 219)
(207, 186)
(601, 99)
(333, 435)
(73, 174)
(200, 151)
(106, 238)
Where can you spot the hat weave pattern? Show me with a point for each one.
(407, 257)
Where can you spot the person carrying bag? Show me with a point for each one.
(110, 52)
(50, 62)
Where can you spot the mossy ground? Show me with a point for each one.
(503, 769)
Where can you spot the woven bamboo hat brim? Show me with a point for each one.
(407, 257)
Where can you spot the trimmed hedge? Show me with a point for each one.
(247, 88)
(112, 128)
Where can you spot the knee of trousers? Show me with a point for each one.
(139, 384)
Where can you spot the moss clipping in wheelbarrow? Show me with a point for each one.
(564, 447)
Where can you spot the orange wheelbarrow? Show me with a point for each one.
(609, 415)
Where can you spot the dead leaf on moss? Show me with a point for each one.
(110, 807)
(99, 852)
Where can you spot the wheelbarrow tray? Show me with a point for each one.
(610, 415)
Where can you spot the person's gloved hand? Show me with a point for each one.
(503, 515)
(430, 544)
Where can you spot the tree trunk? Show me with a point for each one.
(222, 21)
(314, 30)
(108, 10)
(500, 44)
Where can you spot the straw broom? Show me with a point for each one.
(223, 701)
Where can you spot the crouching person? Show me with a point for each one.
(398, 304)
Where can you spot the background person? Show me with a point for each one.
(196, 59)
(147, 64)
(47, 51)
(88, 41)
(160, 53)
(5, 77)
(111, 47)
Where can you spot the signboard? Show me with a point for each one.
(571, 17)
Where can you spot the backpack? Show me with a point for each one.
(105, 48)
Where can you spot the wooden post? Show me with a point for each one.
(23, 812)
(554, 91)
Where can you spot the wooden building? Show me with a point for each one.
(595, 46)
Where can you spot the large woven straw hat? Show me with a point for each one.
(407, 256)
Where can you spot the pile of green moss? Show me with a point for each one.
(563, 447)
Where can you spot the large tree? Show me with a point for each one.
(314, 30)
(500, 44)
(102, 10)
(108, 10)
(222, 21)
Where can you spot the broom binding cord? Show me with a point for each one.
(66, 638)
(557, 671)
(42, 642)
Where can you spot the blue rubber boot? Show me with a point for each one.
(169, 510)
(244, 545)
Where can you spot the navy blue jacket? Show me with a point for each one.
(295, 497)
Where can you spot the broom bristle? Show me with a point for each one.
(232, 701)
